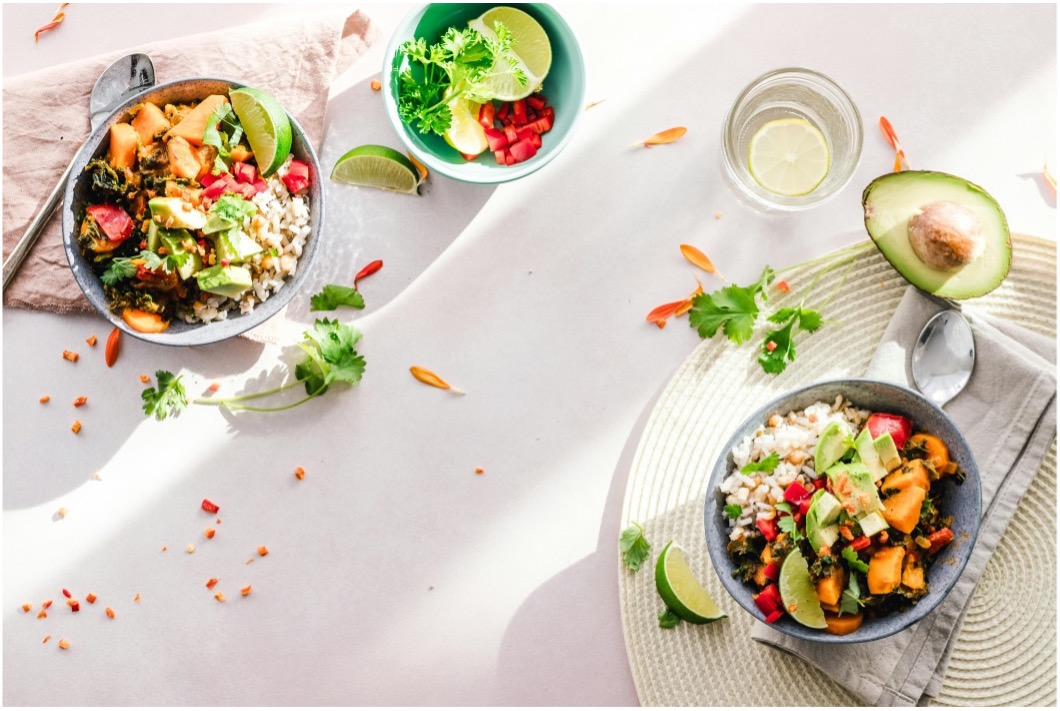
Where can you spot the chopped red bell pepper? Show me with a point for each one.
(773, 617)
(796, 493)
(772, 571)
(939, 539)
(768, 601)
(768, 528)
(804, 507)
(497, 139)
(114, 221)
(860, 543)
(486, 114)
(210, 507)
(798, 516)
(523, 150)
(899, 427)
(244, 172)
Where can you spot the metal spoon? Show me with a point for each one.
(944, 357)
(122, 80)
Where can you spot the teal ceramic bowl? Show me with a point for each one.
(564, 87)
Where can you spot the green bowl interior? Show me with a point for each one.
(564, 88)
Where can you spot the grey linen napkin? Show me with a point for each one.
(1008, 415)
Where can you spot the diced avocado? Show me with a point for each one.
(821, 519)
(228, 281)
(942, 233)
(872, 524)
(171, 212)
(235, 246)
(869, 456)
(831, 446)
(215, 223)
(853, 486)
(153, 241)
(888, 452)
(177, 242)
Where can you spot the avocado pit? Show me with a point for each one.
(946, 236)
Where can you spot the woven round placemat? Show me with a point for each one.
(1006, 648)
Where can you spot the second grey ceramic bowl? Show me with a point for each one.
(963, 502)
(180, 333)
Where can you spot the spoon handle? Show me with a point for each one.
(25, 244)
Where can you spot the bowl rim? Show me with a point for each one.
(455, 170)
(199, 334)
(910, 615)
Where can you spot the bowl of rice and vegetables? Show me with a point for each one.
(193, 212)
(844, 511)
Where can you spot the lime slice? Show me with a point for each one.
(530, 48)
(465, 133)
(789, 157)
(377, 167)
(680, 590)
(797, 592)
(266, 124)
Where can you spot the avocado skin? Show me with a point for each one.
(936, 174)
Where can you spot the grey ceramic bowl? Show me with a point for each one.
(180, 333)
(962, 502)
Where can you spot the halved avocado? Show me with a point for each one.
(893, 201)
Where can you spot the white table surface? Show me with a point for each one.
(396, 575)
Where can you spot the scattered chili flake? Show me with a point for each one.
(61, 513)
(45, 398)
(429, 378)
(66, 593)
(368, 270)
(717, 215)
(137, 598)
(783, 286)
(63, 643)
(663, 137)
(91, 598)
(218, 520)
(41, 614)
(26, 607)
(209, 532)
(144, 378)
(697, 258)
(81, 400)
(375, 84)
(75, 605)
(76, 427)
(219, 596)
(91, 340)
(263, 551)
(110, 355)
(71, 356)
(245, 591)
(771, 346)
(110, 613)
(211, 582)
(299, 474)
(209, 506)
(190, 548)
(214, 387)
(164, 549)
(46, 604)
(46, 638)
(56, 21)
(480, 470)
(249, 561)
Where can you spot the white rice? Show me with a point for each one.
(794, 437)
(281, 227)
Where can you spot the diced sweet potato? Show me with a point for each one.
(902, 510)
(767, 555)
(149, 122)
(829, 589)
(843, 624)
(938, 455)
(760, 576)
(122, 151)
(912, 572)
(241, 154)
(144, 321)
(912, 474)
(885, 570)
(193, 125)
(183, 160)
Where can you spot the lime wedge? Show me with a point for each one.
(465, 133)
(680, 590)
(530, 48)
(266, 124)
(789, 157)
(377, 167)
(797, 592)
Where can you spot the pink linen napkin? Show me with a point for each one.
(46, 116)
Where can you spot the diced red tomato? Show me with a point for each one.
(248, 191)
(519, 110)
(510, 134)
(768, 601)
(768, 528)
(486, 114)
(115, 222)
(208, 180)
(536, 140)
(531, 116)
(297, 178)
(939, 539)
(796, 493)
(860, 543)
(244, 172)
(899, 427)
(523, 150)
(497, 140)
(260, 186)
(499, 155)
(502, 112)
(509, 159)
(536, 101)
(524, 133)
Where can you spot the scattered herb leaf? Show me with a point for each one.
(167, 399)
(851, 599)
(668, 620)
(733, 511)
(853, 562)
(634, 546)
(766, 466)
(334, 295)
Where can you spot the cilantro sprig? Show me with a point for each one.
(333, 296)
(634, 546)
(122, 268)
(851, 598)
(667, 619)
(223, 132)
(853, 562)
(766, 466)
(331, 358)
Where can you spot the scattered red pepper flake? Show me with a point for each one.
(480, 470)
(76, 427)
(214, 387)
(209, 506)
(245, 591)
(64, 643)
(66, 593)
(717, 214)
(375, 84)
(164, 549)
(75, 605)
(110, 355)
(783, 286)
(110, 613)
(263, 551)
(56, 21)
(91, 598)
(46, 638)
(46, 604)
(211, 582)
(41, 614)
(663, 137)
(91, 340)
(892, 138)
(61, 513)
(771, 346)
(144, 378)
(428, 377)
(209, 532)
(218, 520)
(44, 399)
(219, 596)
(250, 560)
(137, 598)
(71, 356)
(299, 473)
(81, 400)
(26, 607)
(697, 258)
(368, 270)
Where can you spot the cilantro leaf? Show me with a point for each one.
(783, 506)
(778, 349)
(853, 562)
(167, 399)
(668, 620)
(634, 546)
(233, 208)
(809, 320)
(333, 295)
(851, 598)
(787, 525)
(119, 269)
(766, 466)
(330, 356)
(733, 511)
(223, 117)
(733, 308)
